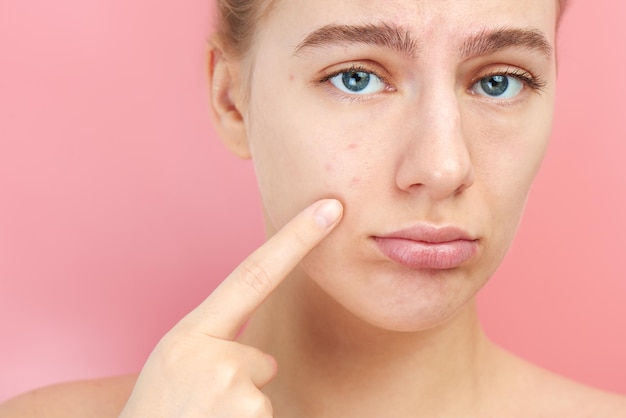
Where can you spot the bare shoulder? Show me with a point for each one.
(546, 394)
(100, 398)
(581, 401)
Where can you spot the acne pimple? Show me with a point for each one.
(290, 77)
(328, 167)
(355, 181)
(353, 145)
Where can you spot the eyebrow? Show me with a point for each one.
(491, 41)
(392, 37)
(381, 35)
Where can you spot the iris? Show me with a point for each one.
(356, 80)
(495, 85)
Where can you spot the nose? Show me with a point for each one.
(435, 159)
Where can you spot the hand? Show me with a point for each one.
(197, 370)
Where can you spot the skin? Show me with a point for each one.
(428, 151)
(349, 331)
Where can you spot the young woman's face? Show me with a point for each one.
(417, 115)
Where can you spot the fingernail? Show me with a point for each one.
(328, 213)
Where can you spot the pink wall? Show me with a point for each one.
(120, 210)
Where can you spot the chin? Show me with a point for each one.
(422, 312)
(425, 318)
(397, 299)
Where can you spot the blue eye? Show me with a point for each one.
(357, 82)
(499, 86)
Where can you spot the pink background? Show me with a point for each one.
(120, 210)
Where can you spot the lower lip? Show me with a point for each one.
(427, 255)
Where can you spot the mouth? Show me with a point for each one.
(428, 248)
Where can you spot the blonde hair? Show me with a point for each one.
(237, 21)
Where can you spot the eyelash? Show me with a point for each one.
(534, 82)
(355, 68)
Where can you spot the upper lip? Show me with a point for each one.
(431, 234)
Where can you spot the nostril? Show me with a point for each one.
(461, 189)
(438, 177)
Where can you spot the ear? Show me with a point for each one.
(225, 96)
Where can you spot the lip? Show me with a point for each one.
(427, 247)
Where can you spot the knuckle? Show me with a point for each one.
(259, 407)
(173, 353)
(255, 277)
(226, 373)
(197, 354)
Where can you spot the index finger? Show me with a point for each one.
(232, 303)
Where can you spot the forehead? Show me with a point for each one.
(290, 21)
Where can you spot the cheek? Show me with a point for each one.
(510, 144)
(508, 160)
(299, 160)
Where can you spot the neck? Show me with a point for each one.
(330, 363)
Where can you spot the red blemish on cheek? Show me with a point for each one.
(290, 77)
(328, 167)
(353, 145)
(355, 181)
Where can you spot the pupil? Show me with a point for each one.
(495, 85)
(356, 80)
